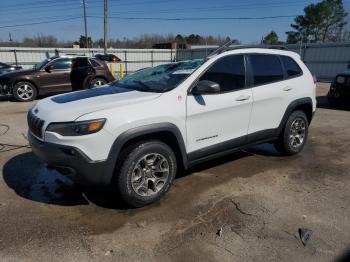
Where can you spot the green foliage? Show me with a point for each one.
(82, 42)
(271, 39)
(321, 22)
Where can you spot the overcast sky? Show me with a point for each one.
(18, 12)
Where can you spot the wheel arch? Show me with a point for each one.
(16, 81)
(168, 133)
(101, 77)
(302, 104)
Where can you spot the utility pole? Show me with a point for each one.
(105, 28)
(85, 25)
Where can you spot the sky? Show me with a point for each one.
(15, 13)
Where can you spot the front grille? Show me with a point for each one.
(35, 124)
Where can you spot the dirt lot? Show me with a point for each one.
(258, 198)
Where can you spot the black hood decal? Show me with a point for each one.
(89, 93)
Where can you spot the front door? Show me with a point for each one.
(56, 76)
(216, 122)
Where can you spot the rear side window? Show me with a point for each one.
(228, 72)
(94, 63)
(80, 62)
(266, 69)
(291, 66)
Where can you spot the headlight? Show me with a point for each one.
(77, 128)
(340, 79)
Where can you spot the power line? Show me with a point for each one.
(39, 23)
(196, 18)
(155, 19)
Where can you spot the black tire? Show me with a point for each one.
(132, 161)
(333, 100)
(288, 143)
(98, 82)
(24, 91)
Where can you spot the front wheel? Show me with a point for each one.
(146, 174)
(294, 134)
(24, 92)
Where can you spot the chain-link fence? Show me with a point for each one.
(131, 59)
(324, 60)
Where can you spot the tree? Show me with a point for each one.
(82, 42)
(271, 38)
(321, 22)
(179, 39)
(193, 39)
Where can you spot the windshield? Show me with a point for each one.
(41, 64)
(161, 78)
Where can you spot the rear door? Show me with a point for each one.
(271, 93)
(58, 78)
(217, 122)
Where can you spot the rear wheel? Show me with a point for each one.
(146, 173)
(294, 134)
(24, 91)
(98, 82)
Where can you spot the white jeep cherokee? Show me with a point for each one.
(136, 133)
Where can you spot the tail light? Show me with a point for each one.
(115, 58)
(314, 78)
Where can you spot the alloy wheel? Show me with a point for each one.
(150, 174)
(297, 132)
(25, 92)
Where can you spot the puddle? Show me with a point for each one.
(30, 178)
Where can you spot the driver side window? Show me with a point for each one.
(228, 72)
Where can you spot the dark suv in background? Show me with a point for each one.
(55, 75)
(339, 91)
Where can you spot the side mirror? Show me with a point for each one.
(48, 68)
(206, 87)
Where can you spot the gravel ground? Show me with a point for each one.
(244, 207)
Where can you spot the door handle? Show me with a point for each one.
(242, 98)
(287, 88)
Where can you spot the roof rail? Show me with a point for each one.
(228, 47)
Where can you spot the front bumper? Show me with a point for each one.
(339, 91)
(72, 162)
(5, 88)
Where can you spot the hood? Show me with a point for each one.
(69, 107)
(15, 73)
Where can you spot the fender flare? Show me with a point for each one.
(133, 133)
(291, 107)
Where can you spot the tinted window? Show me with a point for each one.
(266, 69)
(64, 63)
(291, 66)
(94, 63)
(80, 62)
(3, 65)
(228, 72)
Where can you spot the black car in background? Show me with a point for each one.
(4, 68)
(54, 75)
(339, 91)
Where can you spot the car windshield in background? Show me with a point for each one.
(41, 64)
(161, 78)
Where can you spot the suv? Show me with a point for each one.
(340, 88)
(55, 75)
(136, 133)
